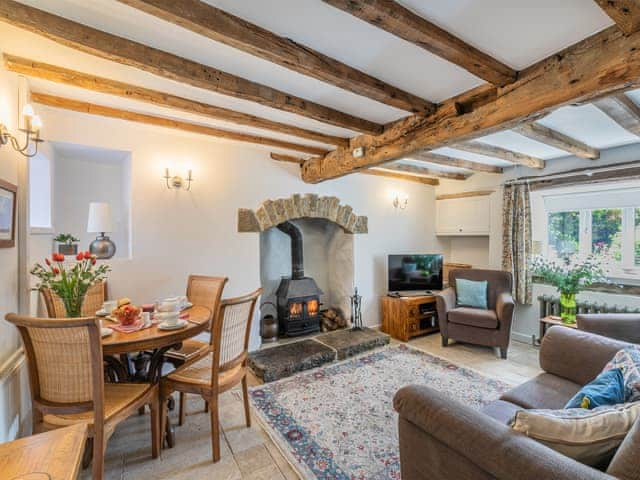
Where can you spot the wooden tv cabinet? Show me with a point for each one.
(403, 317)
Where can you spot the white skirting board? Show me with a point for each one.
(14, 397)
(522, 337)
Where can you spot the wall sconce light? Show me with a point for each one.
(177, 182)
(33, 125)
(401, 201)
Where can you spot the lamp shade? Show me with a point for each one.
(99, 218)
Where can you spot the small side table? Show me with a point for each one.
(550, 321)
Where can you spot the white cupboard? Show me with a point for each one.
(465, 216)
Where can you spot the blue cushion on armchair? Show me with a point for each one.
(471, 294)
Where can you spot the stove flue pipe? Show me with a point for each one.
(297, 263)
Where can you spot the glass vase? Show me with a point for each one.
(73, 305)
(568, 307)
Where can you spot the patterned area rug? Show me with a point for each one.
(338, 422)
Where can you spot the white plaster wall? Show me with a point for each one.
(8, 256)
(527, 317)
(175, 233)
(471, 250)
(13, 386)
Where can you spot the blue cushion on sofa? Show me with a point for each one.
(471, 294)
(607, 389)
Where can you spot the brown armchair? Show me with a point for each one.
(621, 326)
(490, 327)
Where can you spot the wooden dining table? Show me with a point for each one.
(153, 337)
(139, 356)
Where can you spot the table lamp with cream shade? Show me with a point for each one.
(100, 222)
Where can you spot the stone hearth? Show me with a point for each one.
(348, 343)
(274, 363)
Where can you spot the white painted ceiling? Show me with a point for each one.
(589, 125)
(517, 32)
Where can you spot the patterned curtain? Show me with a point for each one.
(516, 239)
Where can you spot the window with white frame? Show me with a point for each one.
(604, 217)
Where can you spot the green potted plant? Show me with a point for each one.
(67, 244)
(70, 281)
(570, 276)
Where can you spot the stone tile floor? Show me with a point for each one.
(249, 453)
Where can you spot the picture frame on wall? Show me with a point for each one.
(8, 201)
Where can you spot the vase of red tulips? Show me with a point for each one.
(70, 280)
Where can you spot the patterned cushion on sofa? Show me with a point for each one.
(628, 360)
(588, 436)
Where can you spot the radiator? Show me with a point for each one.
(550, 305)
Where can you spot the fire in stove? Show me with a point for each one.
(295, 310)
(298, 297)
(313, 307)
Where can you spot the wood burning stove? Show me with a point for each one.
(298, 297)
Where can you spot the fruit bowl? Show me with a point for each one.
(126, 314)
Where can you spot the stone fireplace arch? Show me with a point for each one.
(327, 228)
(272, 213)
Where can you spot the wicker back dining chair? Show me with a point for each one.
(93, 300)
(204, 291)
(64, 358)
(222, 368)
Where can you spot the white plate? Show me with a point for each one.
(186, 305)
(165, 326)
(105, 332)
(102, 313)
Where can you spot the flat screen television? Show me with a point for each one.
(415, 272)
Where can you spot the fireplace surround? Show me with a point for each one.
(298, 287)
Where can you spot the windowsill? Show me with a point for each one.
(40, 230)
(615, 287)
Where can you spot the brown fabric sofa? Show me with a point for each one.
(621, 326)
(490, 327)
(444, 439)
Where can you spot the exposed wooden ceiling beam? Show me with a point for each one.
(455, 162)
(380, 173)
(548, 136)
(286, 158)
(599, 65)
(403, 167)
(173, 67)
(476, 193)
(211, 22)
(626, 13)
(77, 79)
(501, 153)
(399, 176)
(622, 110)
(93, 109)
(402, 22)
